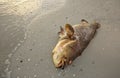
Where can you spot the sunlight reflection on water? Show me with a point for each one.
(25, 7)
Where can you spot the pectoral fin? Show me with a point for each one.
(69, 30)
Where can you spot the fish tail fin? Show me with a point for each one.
(96, 25)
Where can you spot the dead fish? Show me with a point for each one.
(72, 41)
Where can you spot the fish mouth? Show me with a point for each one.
(62, 67)
(62, 64)
(58, 61)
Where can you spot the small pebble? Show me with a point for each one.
(10, 55)
(17, 59)
(74, 75)
(35, 76)
(15, 48)
(19, 44)
(81, 69)
(28, 59)
(41, 59)
(36, 64)
(21, 61)
(7, 61)
(18, 77)
(18, 68)
(30, 49)
(6, 69)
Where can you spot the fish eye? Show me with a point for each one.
(53, 53)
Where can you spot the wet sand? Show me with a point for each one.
(99, 60)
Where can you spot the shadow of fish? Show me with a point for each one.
(72, 41)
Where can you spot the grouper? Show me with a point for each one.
(72, 42)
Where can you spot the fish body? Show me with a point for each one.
(72, 41)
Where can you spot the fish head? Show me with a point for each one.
(58, 59)
(63, 50)
(64, 53)
(69, 45)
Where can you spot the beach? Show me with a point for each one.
(28, 36)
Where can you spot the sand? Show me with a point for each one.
(32, 57)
